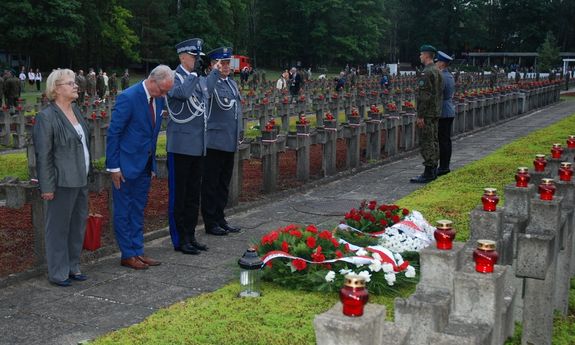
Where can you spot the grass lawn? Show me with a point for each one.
(284, 317)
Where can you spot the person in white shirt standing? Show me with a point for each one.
(38, 79)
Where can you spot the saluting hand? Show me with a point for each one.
(218, 65)
(420, 122)
(117, 179)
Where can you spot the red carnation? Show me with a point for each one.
(269, 264)
(395, 219)
(405, 212)
(346, 248)
(334, 242)
(311, 228)
(383, 222)
(310, 241)
(299, 264)
(295, 233)
(338, 254)
(285, 246)
(325, 235)
(291, 227)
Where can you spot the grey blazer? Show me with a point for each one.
(59, 151)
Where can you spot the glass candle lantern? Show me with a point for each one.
(490, 199)
(485, 256)
(444, 234)
(250, 265)
(546, 189)
(353, 295)
(565, 171)
(540, 163)
(556, 151)
(571, 142)
(522, 177)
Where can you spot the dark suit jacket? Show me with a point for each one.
(59, 152)
(131, 139)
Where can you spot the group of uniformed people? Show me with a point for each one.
(435, 113)
(9, 89)
(203, 133)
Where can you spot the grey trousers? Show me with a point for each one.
(66, 217)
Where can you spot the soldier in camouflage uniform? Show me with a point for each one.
(429, 101)
(82, 85)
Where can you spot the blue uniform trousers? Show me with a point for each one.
(184, 182)
(129, 204)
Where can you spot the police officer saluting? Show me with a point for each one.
(429, 100)
(447, 113)
(186, 145)
(224, 127)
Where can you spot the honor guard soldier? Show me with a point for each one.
(224, 128)
(447, 113)
(429, 100)
(186, 145)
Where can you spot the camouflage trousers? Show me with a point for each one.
(429, 144)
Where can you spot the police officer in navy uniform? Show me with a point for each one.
(447, 113)
(224, 128)
(186, 145)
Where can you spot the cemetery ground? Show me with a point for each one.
(35, 313)
(285, 317)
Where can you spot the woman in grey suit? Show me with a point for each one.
(61, 139)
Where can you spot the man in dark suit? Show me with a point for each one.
(131, 158)
(224, 127)
(186, 145)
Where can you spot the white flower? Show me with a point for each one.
(376, 256)
(375, 266)
(399, 259)
(330, 276)
(390, 278)
(387, 268)
(344, 271)
(366, 275)
(361, 252)
(410, 272)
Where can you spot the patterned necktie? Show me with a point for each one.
(151, 104)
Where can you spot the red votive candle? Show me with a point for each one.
(546, 189)
(485, 256)
(565, 171)
(353, 295)
(571, 142)
(556, 151)
(489, 199)
(540, 163)
(444, 234)
(522, 177)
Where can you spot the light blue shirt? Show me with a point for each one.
(447, 108)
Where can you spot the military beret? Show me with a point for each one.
(222, 53)
(192, 46)
(441, 56)
(427, 48)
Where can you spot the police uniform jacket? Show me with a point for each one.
(224, 115)
(448, 109)
(429, 93)
(186, 131)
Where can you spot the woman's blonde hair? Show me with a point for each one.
(56, 76)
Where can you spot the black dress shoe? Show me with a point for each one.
(229, 228)
(189, 249)
(441, 171)
(78, 277)
(198, 245)
(217, 231)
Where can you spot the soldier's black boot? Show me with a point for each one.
(442, 171)
(427, 176)
(197, 244)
